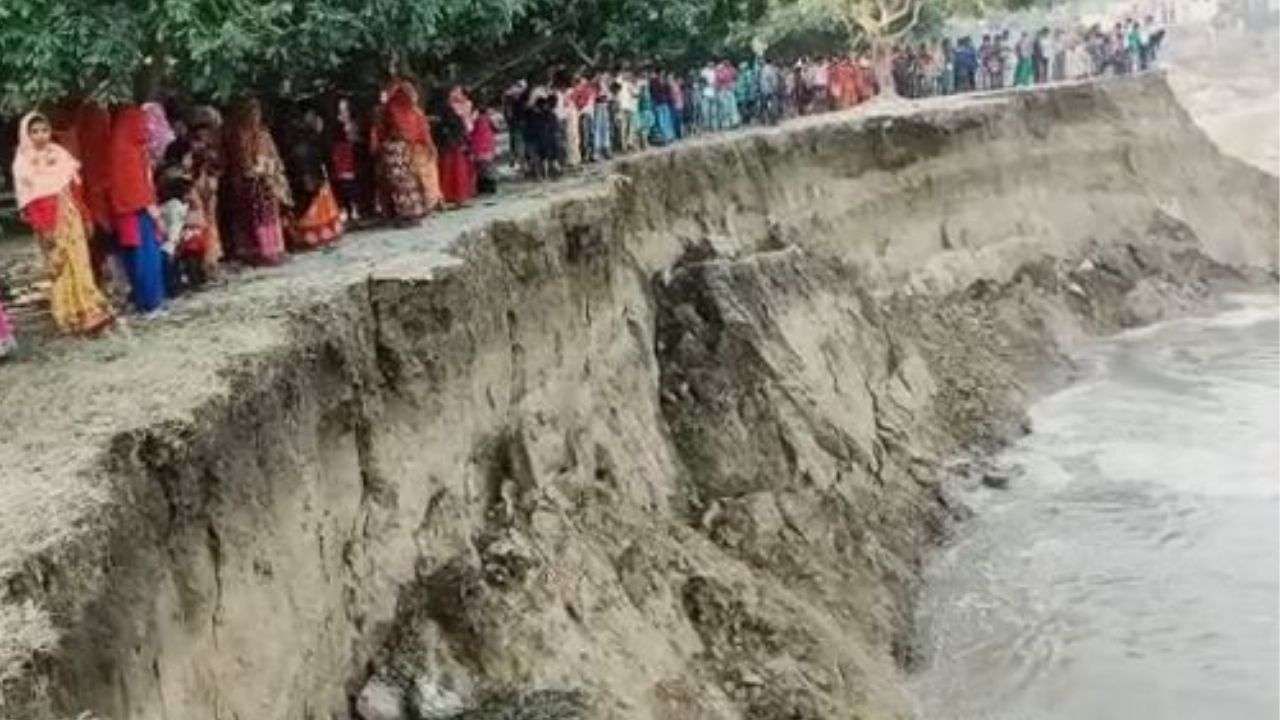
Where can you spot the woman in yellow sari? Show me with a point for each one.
(45, 178)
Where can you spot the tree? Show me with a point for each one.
(874, 23)
(121, 50)
(115, 50)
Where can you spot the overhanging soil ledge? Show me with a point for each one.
(664, 445)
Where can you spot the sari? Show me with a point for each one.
(160, 133)
(205, 170)
(408, 179)
(93, 135)
(423, 154)
(44, 184)
(1024, 72)
(320, 220)
(567, 110)
(133, 200)
(457, 173)
(93, 129)
(258, 188)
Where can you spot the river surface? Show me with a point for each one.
(1132, 567)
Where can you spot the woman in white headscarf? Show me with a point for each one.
(45, 176)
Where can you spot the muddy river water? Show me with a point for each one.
(1132, 567)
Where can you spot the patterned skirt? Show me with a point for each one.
(400, 181)
(320, 225)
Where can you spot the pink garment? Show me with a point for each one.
(461, 105)
(159, 134)
(482, 138)
(39, 173)
(726, 77)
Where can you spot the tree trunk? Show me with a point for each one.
(882, 63)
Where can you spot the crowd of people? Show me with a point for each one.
(572, 119)
(151, 201)
(1000, 60)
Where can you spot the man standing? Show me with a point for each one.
(710, 107)
(771, 92)
(986, 55)
(602, 135)
(624, 92)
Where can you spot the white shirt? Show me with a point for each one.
(708, 82)
(626, 95)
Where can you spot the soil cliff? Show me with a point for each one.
(666, 446)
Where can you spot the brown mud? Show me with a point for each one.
(665, 445)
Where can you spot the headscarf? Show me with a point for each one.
(252, 152)
(159, 132)
(461, 106)
(404, 119)
(132, 188)
(205, 115)
(40, 173)
(93, 128)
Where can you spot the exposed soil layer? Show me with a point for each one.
(664, 445)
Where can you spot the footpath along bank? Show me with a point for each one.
(665, 445)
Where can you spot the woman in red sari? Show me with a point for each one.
(257, 189)
(93, 132)
(408, 183)
(457, 172)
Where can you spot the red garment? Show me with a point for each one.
(584, 95)
(93, 131)
(404, 120)
(343, 160)
(131, 184)
(195, 243)
(483, 139)
(127, 229)
(42, 214)
(457, 175)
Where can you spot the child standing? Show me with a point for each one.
(342, 159)
(483, 141)
(186, 241)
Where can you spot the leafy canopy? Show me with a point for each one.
(113, 50)
(217, 48)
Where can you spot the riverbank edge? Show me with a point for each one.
(135, 457)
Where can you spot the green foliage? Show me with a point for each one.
(217, 48)
(863, 21)
(117, 50)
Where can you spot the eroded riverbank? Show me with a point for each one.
(670, 441)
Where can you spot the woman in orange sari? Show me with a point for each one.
(45, 176)
(320, 221)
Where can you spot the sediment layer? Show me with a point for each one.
(663, 446)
